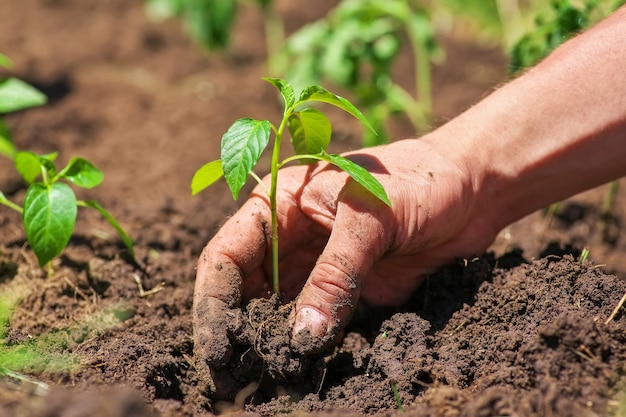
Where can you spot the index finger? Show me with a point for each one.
(234, 254)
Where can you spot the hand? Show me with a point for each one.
(338, 244)
(451, 192)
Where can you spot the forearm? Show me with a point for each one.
(557, 130)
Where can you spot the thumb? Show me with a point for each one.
(332, 290)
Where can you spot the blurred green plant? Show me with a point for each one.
(355, 48)
(552, 27)
(210, 22)
(50, 205)
(499, 21)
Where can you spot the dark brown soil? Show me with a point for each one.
(520, 331)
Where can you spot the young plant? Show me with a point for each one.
(50, 205)
(310, 130)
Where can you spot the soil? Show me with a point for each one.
(525, 330)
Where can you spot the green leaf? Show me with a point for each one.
(285, 89)
(82, 173)
(206, 175)
(49, 218)
(317, 93)
(5, 62)
(7, 147)
(242, 146)
(210, 21)
(360, 175)
(17, 95)
(310, 131)
(28, 164)
(126, 239)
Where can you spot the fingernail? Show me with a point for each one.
(312, 320)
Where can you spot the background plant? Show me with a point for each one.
(15, 95)
(562, 20)
(211, 22)
(310, 131)
(355, 48)
(50, 206)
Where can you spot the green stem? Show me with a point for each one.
(422, 76)
(44, 176)
(259, 181)
(299, 157)
(126, 239)
(274, 39)
(275, 166)
(415, 110)
(10, 204)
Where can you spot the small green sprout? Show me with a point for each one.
(396, 396)
(310, 130)
(50, 205)
(584, 255)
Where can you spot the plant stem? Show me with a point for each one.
(274, 39)
(422, 78)
(11, 205)
(272, 195)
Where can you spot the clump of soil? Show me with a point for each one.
(262, 362)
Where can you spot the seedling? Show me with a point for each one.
(396, 396)
(50, 205)
(310, 130)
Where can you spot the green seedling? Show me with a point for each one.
(584, 255)
(310, 130)
(396, 396)
(50, 205)
(356, 46)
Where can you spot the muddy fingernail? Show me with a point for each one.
(311, 320)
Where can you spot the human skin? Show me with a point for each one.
(557, 130)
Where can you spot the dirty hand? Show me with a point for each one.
(339, 244)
